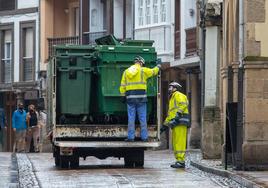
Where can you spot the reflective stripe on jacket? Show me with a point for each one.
(178, 103)
(134, 82)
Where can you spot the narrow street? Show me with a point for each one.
(41, 172)
(115, 77)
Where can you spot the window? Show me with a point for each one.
(28, 54)
(140, 12)
(163, 10)
(7, 5)
(27, 49)
(148, 12)
(76, 21)
(151, 12)
(7, 56)
(94, 17)
(155, 8)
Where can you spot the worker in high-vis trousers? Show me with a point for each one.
(178, 120)
(133, 90)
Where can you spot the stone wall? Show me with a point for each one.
(255, 145)
(212, 137)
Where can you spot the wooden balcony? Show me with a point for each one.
(191, 46)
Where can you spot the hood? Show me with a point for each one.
(132, 71)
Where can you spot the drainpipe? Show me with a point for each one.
(240, 106)
(133, 18)
(39, 49)
(203, 50)
(80, 22)
(241, 32)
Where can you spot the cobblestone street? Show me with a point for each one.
(112, 173)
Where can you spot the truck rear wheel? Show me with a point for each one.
(64, 162)
(139, 160)
(134, 158)
(129, 162)
(74, 162)
(57, 160)
(56, 155)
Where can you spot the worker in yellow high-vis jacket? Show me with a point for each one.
(133, 90)
(178, 120)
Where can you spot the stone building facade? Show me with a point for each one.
(242, 69)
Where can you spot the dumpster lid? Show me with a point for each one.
(74, 46)
(107, 40)
(138, 42)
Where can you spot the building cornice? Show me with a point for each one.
(19, 11)
(256, 65)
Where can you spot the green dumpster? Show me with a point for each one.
(74, 71)
(112, 61)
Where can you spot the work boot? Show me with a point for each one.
(178, 164)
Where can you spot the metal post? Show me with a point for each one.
(203, 56)
(81, 22)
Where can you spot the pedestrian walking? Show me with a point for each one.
(3, 127)
(42, 118)
(133, 90)
(19, 127)
(33, 130)
(178, 120)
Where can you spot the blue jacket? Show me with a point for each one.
(2, 118)
(19, 120)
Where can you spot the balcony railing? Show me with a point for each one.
(61, 40)
(27, 69)
(89, 37)
(159, 34)
(6, 70)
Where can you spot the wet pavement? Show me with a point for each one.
(112, 173)
(246, 178)
(8, 170)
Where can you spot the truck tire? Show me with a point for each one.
(134, 158)
(74, 162)
(129, 163)
(139, 158)
(57, 160)
(64, 162)
(56, 155)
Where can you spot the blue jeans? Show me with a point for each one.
(141, 109)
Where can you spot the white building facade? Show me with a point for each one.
(19, 54)
(111, 17)
(158, 20)
(173, 27)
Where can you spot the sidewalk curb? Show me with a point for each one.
(14, 170)
(227, 174)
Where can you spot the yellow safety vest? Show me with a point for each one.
(177, 103)
(135, 78)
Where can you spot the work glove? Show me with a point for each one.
(123, 99)
(158, 63)
(163, 128)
